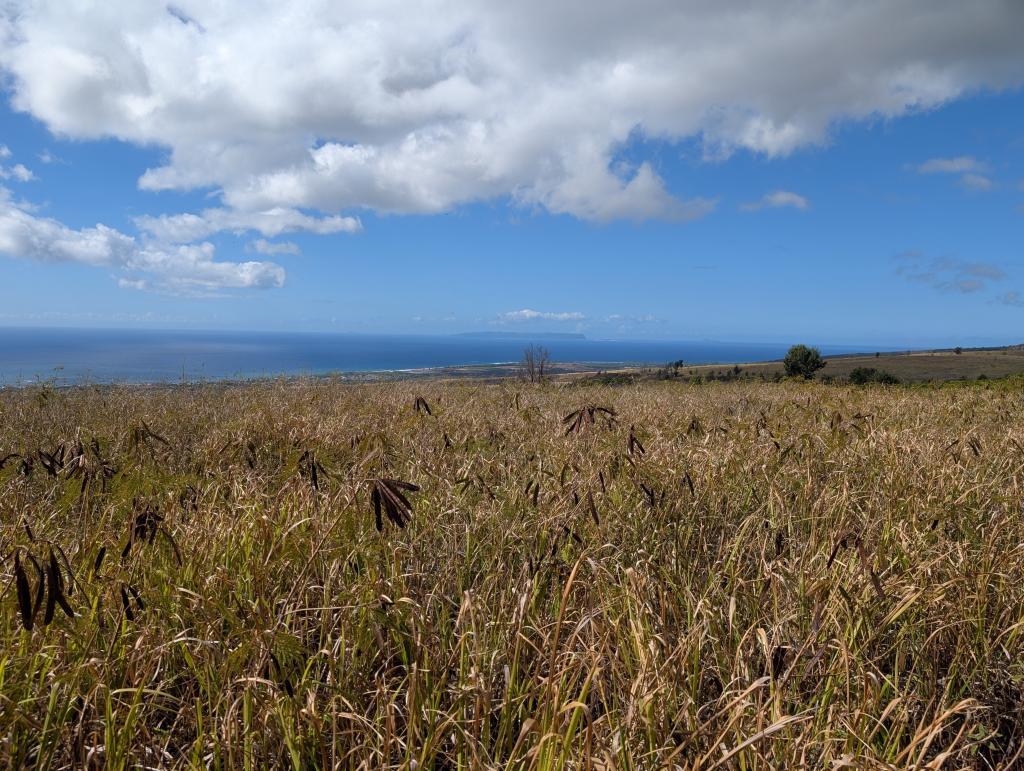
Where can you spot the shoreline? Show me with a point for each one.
(491, 371)
(913, 365)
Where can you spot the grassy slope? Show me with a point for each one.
(908, 367)
(790, 575)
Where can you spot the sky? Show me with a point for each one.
(847, 173)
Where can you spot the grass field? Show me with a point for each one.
(442, 574)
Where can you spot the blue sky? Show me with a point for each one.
(876, 224)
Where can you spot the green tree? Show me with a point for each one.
(802, 361)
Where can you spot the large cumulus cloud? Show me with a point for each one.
(418, 107)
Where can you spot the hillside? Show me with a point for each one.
(910, 367)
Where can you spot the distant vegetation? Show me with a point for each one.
(908, 367)
(431, 575)
(863, 375)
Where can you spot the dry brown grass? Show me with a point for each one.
(753, 576)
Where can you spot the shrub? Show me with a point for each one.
(802, 361)
(864, 375)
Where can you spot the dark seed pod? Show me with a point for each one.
(56, 581)
(128, 612)
(375, 500)
(138, 599)
(174, 544)
(40, 587)
(396, 505)
(51, 601)
(24, 595)
(779, 654)
(69, 588)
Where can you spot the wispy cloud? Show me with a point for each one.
(263, 246)
(1014, 299)
(977, 182)
(183, 228)
(973, 173)
(623, 318)
(47, 157)
(133, 283)
(94, 318)
(449, 318)
(959, 165)
(946, 274)
(527, 314)
(631, 322)
(18, 172)
(778, 199)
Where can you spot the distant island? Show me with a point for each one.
(525, 335)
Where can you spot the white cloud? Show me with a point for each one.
(47, 157)
(182, 268)
(183, 228)
(594, 193)
(778, 199)
(972, 171)
(400, 107)
(18, 172)
(976, 182)
(526, 314)
(960, 165)
(645, 318)
(263, 246)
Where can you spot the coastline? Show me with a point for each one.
(909, 365)
(496, 371)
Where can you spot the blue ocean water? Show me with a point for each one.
(68, 356)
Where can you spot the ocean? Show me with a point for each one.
(75, 356)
